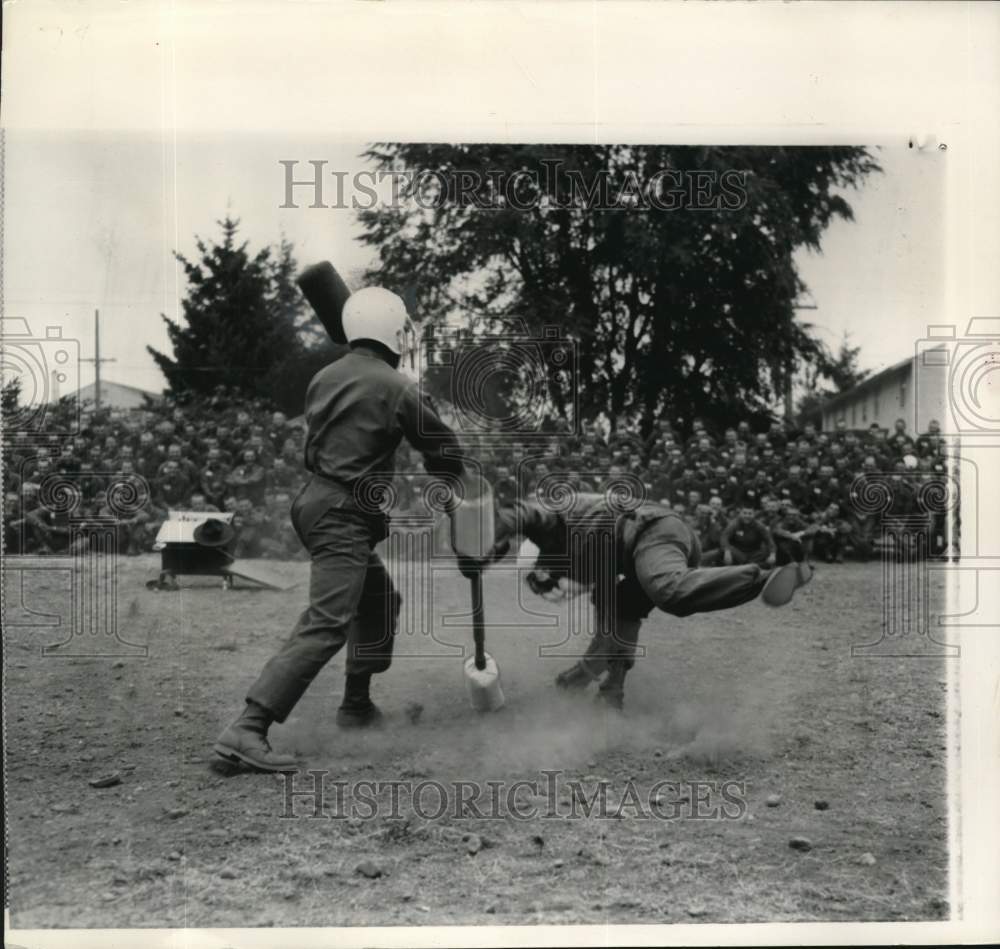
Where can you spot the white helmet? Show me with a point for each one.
(378, 314)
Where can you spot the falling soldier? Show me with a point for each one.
(633, 561)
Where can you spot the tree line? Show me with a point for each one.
(671, 314)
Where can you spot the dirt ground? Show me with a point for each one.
(767, 704)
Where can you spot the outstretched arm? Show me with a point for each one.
(524, 519)
(426, 431)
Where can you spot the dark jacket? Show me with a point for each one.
(577, 542)
(358, 410)
(751, 538)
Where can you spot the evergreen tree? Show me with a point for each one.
(840, 370)
(245, 326)
(9, 399)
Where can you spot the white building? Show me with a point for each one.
(115, 395)
(894, 393)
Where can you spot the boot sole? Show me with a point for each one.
(572, 685)
(374, 721)
(782, 584)
(237, 757)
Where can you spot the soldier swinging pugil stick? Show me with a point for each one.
(358, 409)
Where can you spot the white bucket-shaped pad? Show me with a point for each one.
(483, 685)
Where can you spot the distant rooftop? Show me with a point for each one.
(116, 395)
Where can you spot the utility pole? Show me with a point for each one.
(97, 359)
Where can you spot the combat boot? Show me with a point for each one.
(612, 690)
(576, 677)
(358, 710)
(366, 716)
(245, 741)
(783, 581)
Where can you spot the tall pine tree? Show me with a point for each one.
(245, 324)
(841, 370)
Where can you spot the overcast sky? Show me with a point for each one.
(132, 127)
(91, 220)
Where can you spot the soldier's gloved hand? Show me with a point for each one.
(499, 550)
(470, 566)
(541, 582)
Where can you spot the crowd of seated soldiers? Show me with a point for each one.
(751, 495)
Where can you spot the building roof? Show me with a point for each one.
(869, 383)
(115, 394)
